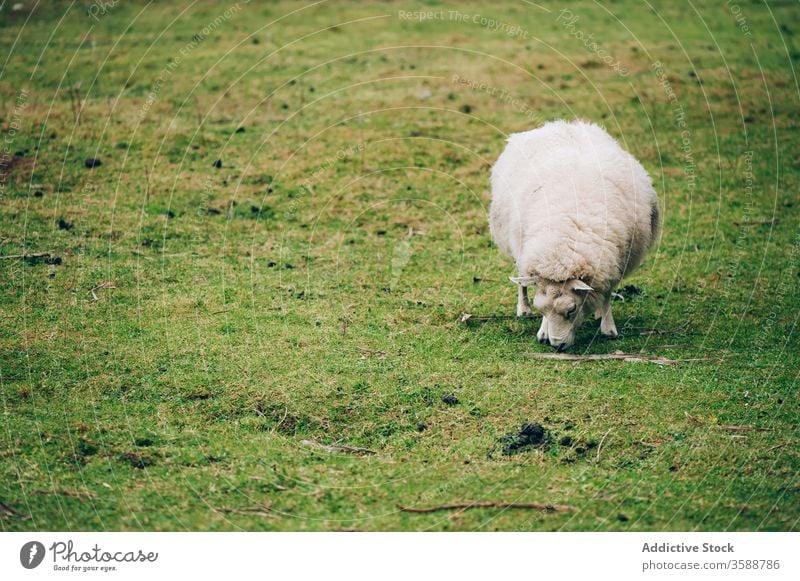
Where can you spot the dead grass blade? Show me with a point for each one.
(335, 448)
(742, 428)
(82, 494)
(626, 357)
(600, 445)
(698, 422)
(469, 505)
(771, 222)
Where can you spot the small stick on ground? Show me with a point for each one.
(773, 448)
(626, 357)
(370, 353)
(692, 419)
(467, 318)
(468, 505)
(8, 511)
(254, 511)
(26, 256)
(83, 494)
(102, 285)
(335, 448)
(646, 331)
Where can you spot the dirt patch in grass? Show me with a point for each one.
(139, 461)
(529, 436)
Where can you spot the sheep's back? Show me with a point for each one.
(569, 202)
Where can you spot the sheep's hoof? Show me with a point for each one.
(524, 313)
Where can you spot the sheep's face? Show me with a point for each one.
(564, 305)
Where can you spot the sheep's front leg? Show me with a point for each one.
(523, 307)
(607, 326)
(542, 334)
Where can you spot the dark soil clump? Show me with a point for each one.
(136, 460)
(630, 290)
(450, 399)
(529, 436)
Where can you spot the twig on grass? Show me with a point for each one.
(253, 511)
(778, 446)
(8, 511)
(26, 256)
(647, 331)
(468, 505)
(693, 419)
(370, 353)
(626, 357)
(102, 285)
(467, 318)
(335, 448)
(82, 494)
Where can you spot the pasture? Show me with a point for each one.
(288, 224)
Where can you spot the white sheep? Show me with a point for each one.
(577, 213)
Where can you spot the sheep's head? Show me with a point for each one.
(564, 305)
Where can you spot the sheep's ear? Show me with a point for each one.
(524, 280)
(579, 285)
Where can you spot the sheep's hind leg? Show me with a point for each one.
(542, 334)
(607, 326)
(523, 307)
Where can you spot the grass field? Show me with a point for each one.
(290, 219)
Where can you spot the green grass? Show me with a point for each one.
(312, 287)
